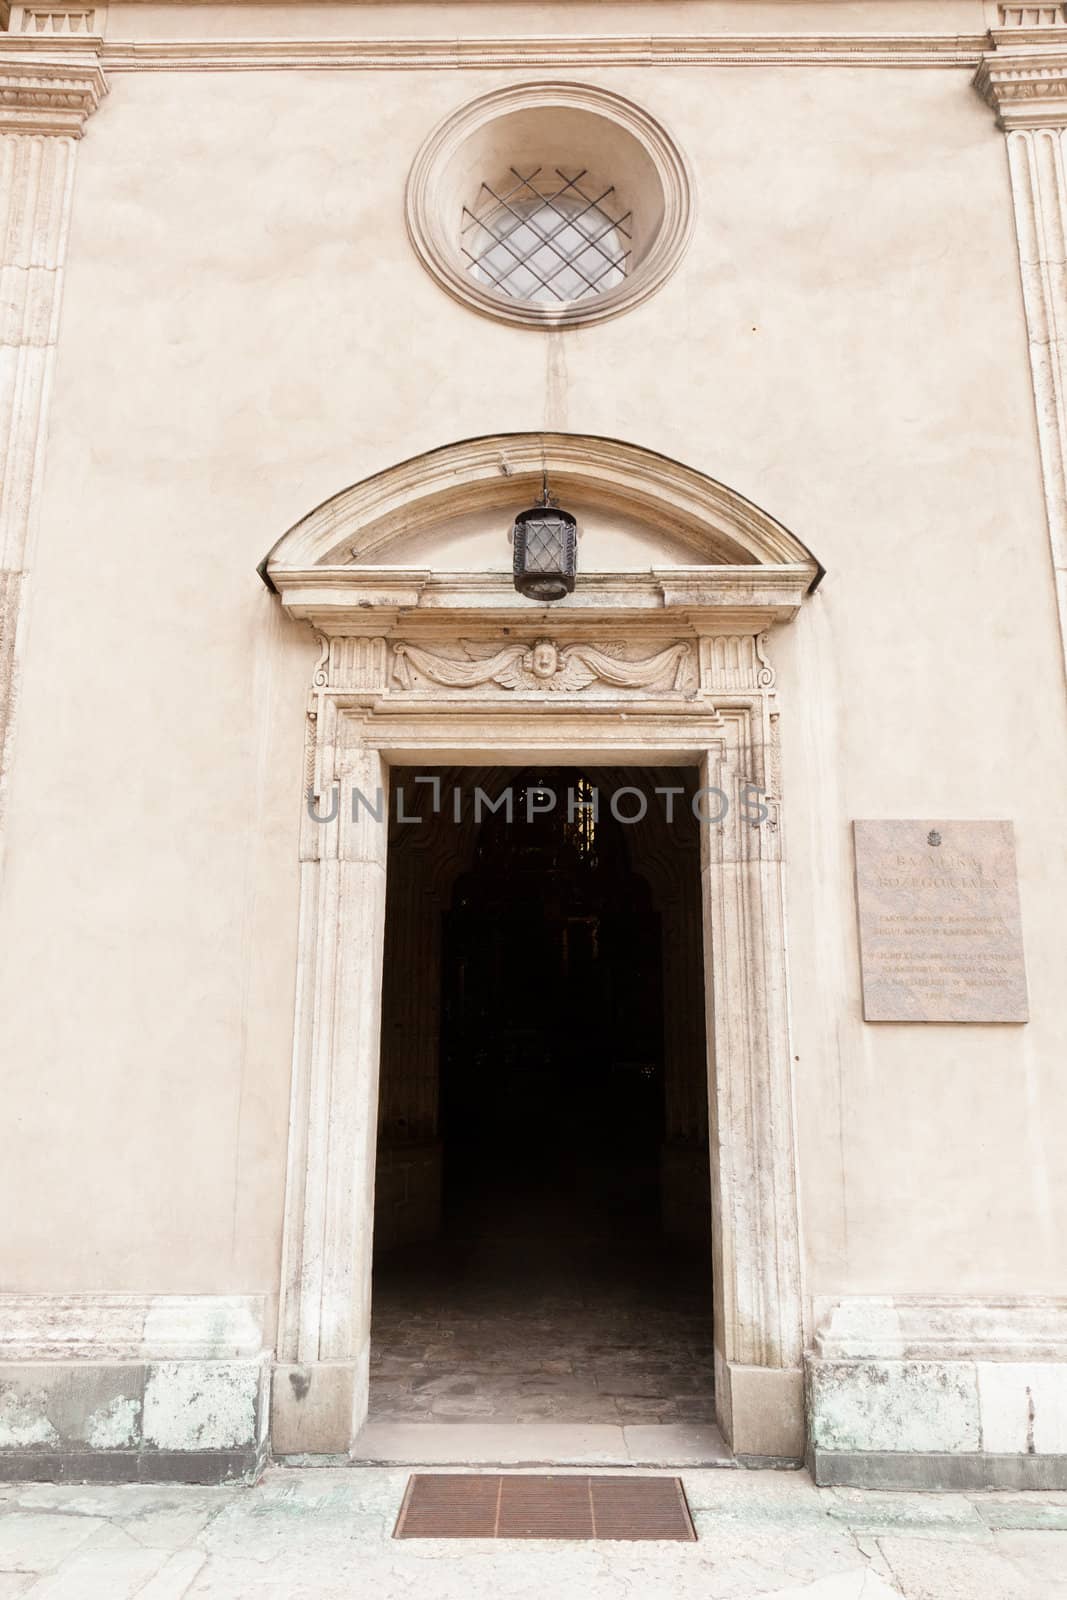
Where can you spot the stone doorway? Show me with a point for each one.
(542, 1218)
(661, 661)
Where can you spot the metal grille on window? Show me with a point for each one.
(547, 238)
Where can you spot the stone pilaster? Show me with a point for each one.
(1025, 81)
(46, 95)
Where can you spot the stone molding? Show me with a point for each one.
(1015, 1328)
(61, 20)
(1026, 85)
(46, 94)
(722, 663)
(130, 1327)
(49, 85)
(501, 470)
(1027, 88)
(1032, 19)
(734, 601)
(546, 50)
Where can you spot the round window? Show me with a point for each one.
(550, 204)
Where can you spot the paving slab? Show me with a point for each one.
(944, 1515)
(175, 1577)
(327, 1534)
(1023, 1514)
(38, 1541)
(108, 1574)
(931, 1569)
(1041, 1556)
(846, 1586)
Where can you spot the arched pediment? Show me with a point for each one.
(440, 522)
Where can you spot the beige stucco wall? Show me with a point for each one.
(456, 19)
(245, 331)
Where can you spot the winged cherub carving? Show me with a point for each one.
(542, 665)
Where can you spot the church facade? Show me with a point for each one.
(533, 627)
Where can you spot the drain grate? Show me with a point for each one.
(479, 1505)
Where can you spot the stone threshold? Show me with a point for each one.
(530, 1444)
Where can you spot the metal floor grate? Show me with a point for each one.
(489, 1505)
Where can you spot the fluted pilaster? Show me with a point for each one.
(45, 98)
(1026, 84)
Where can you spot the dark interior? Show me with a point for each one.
(552, 1035)
(528, 1262)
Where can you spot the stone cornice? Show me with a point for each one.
(349, 600)
(546, 50)
(130, 1327)
(50, 90)
(940, 1328)
(1026, 83)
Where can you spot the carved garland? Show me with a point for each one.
(543, 665)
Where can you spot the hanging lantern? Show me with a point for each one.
(546, 549)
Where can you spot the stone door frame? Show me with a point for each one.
(321, 1380)
(652, 666)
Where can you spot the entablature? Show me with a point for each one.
(367, 600)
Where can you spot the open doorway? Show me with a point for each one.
(542, 1228)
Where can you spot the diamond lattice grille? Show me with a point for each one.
(548, 238)
(544, 546)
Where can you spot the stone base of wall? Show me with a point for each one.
(947, 1474)
(407, 1195)
(134, 1421)
(131, 1466)
(116, 1388)
(944, 1393)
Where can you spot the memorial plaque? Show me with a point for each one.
(940, 932)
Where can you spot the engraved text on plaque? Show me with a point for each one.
(940, 934)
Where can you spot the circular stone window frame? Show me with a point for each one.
(431, 233)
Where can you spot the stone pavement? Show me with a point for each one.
(555, 1319)
(324, 1534)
